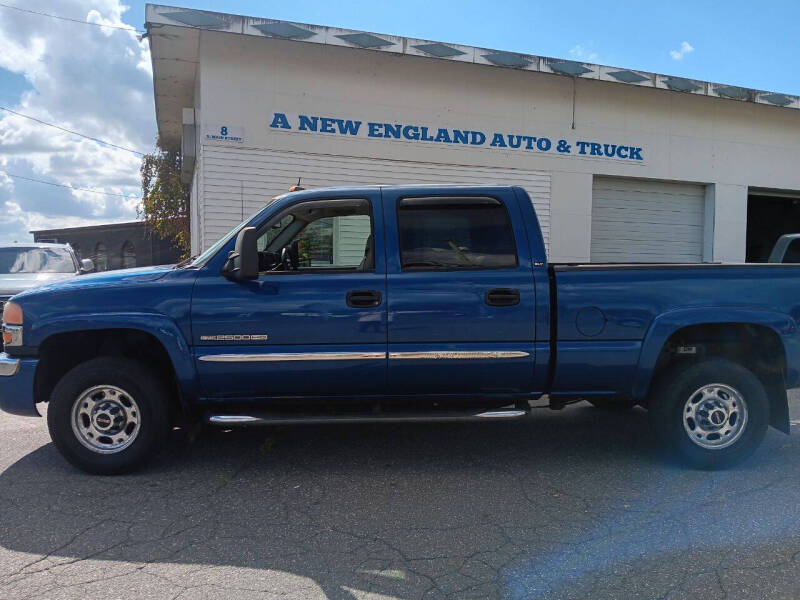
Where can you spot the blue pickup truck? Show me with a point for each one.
(396, 304)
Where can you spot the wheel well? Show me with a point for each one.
(61, 352)
(755, 347)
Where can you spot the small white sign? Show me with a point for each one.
(225, 133)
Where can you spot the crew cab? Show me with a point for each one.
(400, 303)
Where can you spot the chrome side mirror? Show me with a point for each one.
(87, 265)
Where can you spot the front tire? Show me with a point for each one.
(108, 415)
(713, 413)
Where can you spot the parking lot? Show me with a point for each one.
(571, 504)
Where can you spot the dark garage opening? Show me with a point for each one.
(768, 218)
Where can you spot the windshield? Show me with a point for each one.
(205, 256)
(36, 260)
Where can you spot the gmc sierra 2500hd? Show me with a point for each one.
(400, 303)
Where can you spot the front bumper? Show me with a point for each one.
(16, 385)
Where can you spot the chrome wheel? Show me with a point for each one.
(715, 416)
(105, 419)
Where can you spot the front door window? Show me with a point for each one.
(319, 236)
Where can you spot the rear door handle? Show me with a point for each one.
(363, 298)
(502, 297)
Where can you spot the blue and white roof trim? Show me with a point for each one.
(160, 15)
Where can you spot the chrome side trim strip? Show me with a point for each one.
(293, 356)
(311, 356)
(8, 366)
(457, 355)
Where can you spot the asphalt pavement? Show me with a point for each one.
(572, 504)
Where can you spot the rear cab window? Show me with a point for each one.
(792, 254)
(455, 233)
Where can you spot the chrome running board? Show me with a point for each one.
(388, 417)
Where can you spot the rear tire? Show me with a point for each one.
(109, 415)
(713, 413)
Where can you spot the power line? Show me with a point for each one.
(88, 137)
(69, 187)
(41, 14)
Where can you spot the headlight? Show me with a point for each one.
(12, 324)
(12, 313)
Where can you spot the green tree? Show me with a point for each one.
(165, 200)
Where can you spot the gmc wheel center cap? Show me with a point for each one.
(103, 420)
(717, 417)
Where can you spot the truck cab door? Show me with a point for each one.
(461, 293)
(314, 322)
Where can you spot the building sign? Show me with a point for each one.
(225, 133)
(416, 133)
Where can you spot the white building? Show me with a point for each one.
(622, 165)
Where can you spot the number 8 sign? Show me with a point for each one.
(225, 133)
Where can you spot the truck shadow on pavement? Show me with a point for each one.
(515, 509)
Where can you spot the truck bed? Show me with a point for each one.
(606, 313)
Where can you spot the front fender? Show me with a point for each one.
(163, 328)
(668, 323)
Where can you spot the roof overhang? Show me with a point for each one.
(175, 36)
(174, 52)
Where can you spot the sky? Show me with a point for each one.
(98, 81)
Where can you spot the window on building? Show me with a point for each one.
(320, 235)
(100, 257)
(455, 234)
(128, 255)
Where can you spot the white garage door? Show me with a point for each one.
(646, 221)
(236, 182)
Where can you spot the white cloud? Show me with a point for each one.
(89, 79)
(583, 53)
(686, 48)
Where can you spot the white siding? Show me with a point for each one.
(349, 239)
(237, 182)
(646, 221)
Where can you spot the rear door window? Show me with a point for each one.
(455, 234)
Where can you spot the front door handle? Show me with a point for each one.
(363, 298)
(502, 297)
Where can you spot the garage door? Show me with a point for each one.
(646, 221)
(237, 182)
